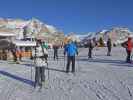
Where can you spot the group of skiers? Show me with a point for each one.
(40, 56)
(71, 50)
(92, 43)
(128, 45)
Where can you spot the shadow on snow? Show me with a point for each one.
(26, 81)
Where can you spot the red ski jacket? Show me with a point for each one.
(129, 45)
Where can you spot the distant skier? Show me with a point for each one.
(55, 48)
(71, 50)
(40, 55)
(128, 45)
(109, 46)
(90, 47)
(13, 51)
(19, 54)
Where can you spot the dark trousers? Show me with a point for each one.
(55, 54)
(69, 60)
(14, 56)
(109, 51)
(20, 57)
(128, 56)
(39, 76)
(90, 53)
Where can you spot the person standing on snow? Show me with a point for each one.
(55, 48)
(129, 49)
(71, 50)
(128, 45)
(109, 46)
(90, 47)
(40, 55)
(19, 54)
(13, 51)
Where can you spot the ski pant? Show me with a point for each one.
(109, 51)
(128, 56)
(20, 57)
(69, 60)
(39, 76)
(90, 53)
(14, 56)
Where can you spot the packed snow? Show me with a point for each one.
(101, 78)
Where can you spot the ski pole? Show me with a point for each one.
(32, 66)
(31, 73)
(64, 61)
(48, 71)
(77, 62)
(77, 59)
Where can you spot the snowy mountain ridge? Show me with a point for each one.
(117, 34)
(28, 28)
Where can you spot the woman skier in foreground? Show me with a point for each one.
(40, 55)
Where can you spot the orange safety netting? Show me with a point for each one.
(24, 54)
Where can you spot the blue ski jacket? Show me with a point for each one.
(71, 49)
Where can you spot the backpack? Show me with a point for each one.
(124, 44)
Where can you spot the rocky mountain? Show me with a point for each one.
(31, 28)
(117, 34)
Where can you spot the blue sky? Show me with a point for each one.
(80, 16)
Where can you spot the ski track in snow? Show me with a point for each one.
(101, 78)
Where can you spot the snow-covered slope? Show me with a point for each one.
(100, 78)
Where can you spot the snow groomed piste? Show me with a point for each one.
(101, 78)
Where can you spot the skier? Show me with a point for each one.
(90, 46)
(129, 49)
(19, 54)
(40, 55)
(71, 50)
(13, 51)
(55, 48)
(128, 45)
(109, 46)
